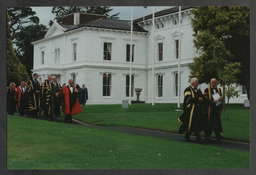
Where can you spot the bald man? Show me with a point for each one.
(192, 118)
(214, 109)
(71, 104)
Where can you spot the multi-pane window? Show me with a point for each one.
(107, 51)
(128, 52)
(128, 85)
(176, 84)
(160, 51)
(160, 85)
(74, 51)
(42, 57)
(106, 84)
(73, 78)
(177, 48)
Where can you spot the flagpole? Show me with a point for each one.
(153, 56)
(130, 78)
(179, 58)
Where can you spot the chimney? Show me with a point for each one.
(77, 18)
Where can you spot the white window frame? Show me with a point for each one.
(42, 57)
(160, 85)
(108, 84)
(127, 86)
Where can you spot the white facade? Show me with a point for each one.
(79, 54)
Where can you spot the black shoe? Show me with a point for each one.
(207, 138)
(218, 138)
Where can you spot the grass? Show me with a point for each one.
(38, 144)
(163, 117)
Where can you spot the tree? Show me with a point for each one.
(16, 72)
(21, 16)
(229, 78)
(24, 38)
(60, 12)
(229, 25)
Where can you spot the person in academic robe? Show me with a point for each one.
(22, 98)
(192, 118)
(46, 97)
(79, 93)
(11, 99)
(214, 103)
(84, 94)
(55, 92)
(71, 104)
(34, 91)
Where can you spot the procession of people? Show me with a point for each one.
(31, 98)
(201, 111)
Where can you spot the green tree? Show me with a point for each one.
(229, 78)
(21, 16)
(60, 12)
(25, 49)
(228, 26)
(16, 72)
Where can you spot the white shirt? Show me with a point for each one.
(71, 89)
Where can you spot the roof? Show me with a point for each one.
(163, 12)
(106, 23)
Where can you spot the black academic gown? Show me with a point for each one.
(213, 122)
(33, 97)
(55, 101)
(46, 97)
(192, 118)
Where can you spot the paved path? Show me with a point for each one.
(160, 134)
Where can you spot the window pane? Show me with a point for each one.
(177, 48)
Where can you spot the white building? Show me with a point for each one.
(94, 51)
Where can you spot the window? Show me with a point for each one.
(175, 22)
(73, 78)
(176, 84)
(160, 85)
(177, 48)
(42, 57)
(128, 85)
(106, 84)
(107, 51)
(74, 51)
(160, 51)
(57, 55)
(244, 90)
(128, 52)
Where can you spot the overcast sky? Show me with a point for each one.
(45, 14)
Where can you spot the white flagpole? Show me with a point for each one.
(130, 78)
(153, 56)
(179, 59)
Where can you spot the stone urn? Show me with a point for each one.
(138, 90)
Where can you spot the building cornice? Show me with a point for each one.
(89, 29)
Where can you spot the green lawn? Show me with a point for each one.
(163, 117)
(38, 144)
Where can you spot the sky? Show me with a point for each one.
(45, 14)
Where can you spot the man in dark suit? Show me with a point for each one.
(192, 118)
(84, 94)
(214, 108)
(55, 92)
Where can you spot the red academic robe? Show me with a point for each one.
(66, 108)
(19, 96)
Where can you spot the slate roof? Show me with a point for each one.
(107, 24)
